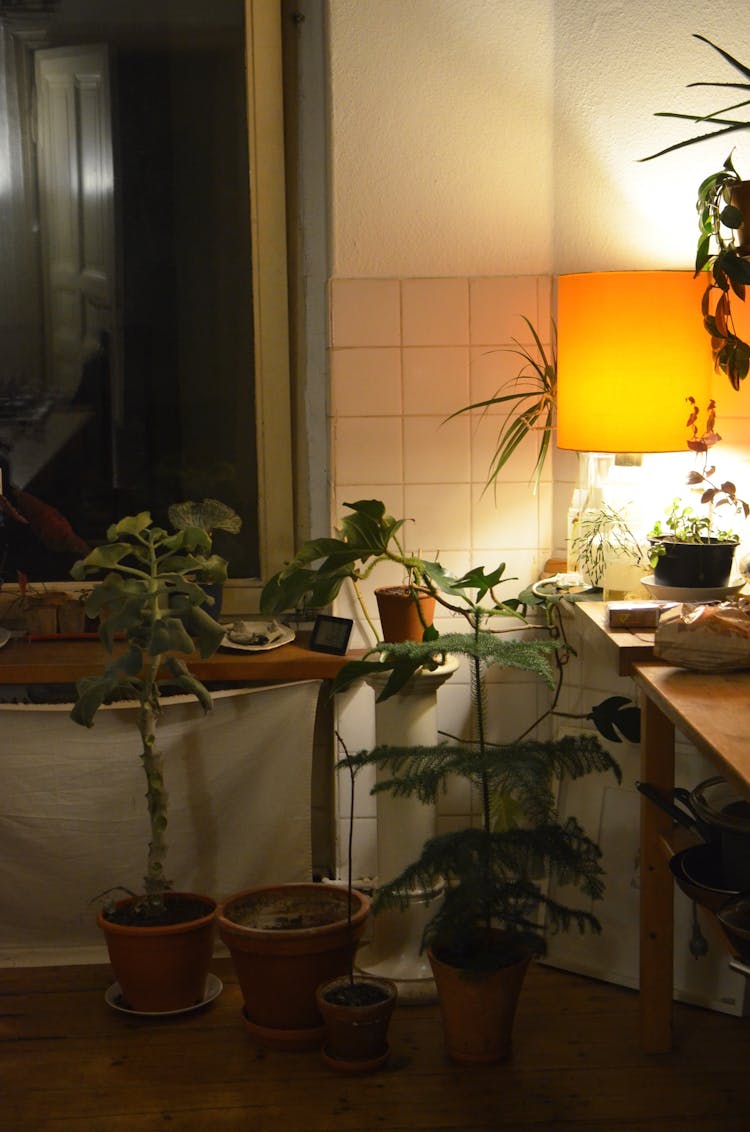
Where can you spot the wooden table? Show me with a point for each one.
(24, 661)
(713, 711)
(627, 646)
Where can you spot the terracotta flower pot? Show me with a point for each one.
(285, 940)
(399, 616)
(478, 1009)
(356, 1018)
(162, 967)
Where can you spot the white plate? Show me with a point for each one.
(4, 637)
(113, 998)
(287, 635)
(676, 593)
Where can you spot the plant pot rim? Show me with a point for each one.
(404, 591)
(158, 929)
(710, 541)
(360, 910)
(360, 977)
(522, 954)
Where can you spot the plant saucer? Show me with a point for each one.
(113, 998)
(677, 593)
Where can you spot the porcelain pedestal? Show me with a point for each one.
(403, 825)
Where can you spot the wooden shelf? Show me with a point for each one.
(65, 662)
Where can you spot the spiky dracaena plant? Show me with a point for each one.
(150, 593)
(490, 876)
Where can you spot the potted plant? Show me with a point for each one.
(356, 1010)
(487, 925)
(605, 549)
(723, 206)
(690, 550)
(284, 941)
(367, 537)
(149, 594)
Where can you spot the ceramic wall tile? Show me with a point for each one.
(368, 448)
(365, 312)
(507, 519)
(441, 517)
(436, 379)
(436, 451)
(498, 307)
(366, 382)
(435, 312)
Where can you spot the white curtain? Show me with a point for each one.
(73, 819)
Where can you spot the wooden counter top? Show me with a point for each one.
(67, 661)
(712, 709)
(629, 646)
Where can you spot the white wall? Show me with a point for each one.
(489, 137)
(441, 120)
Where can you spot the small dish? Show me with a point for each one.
(113, 998)
(4, 636)
(285, 637)
(675, 593)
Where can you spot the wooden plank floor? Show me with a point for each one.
(68, 1063)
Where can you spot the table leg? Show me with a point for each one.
(656, 898)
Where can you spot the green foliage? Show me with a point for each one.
(149, 593)
(604, 533)
(206, 515)
(488, 874)
(682, 524)
(715, 118)
(530, 406)
(718, 255)
(718, 221)
(317, 572)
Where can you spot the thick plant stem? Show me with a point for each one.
(156, 796)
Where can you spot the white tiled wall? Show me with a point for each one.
(405, 354)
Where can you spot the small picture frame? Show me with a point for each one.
(331, 634)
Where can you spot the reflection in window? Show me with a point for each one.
(126, 351)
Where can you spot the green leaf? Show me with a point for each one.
(188, 683)
(617, 716)
(207, 633)
(168, 634)
(131, 525)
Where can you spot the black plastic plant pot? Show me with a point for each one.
(694, 565)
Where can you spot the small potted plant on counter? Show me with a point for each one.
(690, 550)
(366, 537)
(487, 925)
(150, 593)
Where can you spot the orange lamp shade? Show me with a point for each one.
(631, 347)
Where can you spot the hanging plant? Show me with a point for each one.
(720, 249)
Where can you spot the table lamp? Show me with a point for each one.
(631, 347)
